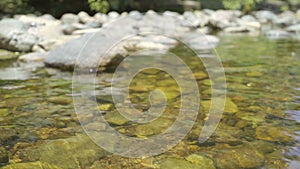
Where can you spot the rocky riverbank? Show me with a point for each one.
(57, 42)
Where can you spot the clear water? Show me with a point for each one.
(263, 78)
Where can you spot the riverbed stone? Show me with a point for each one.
(273, 134)
(230, 107)
(202, 161)
(238, 157)
(175, 163)
(31, 165)
(71, 153)
(3, 155)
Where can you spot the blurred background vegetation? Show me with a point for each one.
(58, 7)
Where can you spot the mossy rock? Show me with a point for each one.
(7, 55)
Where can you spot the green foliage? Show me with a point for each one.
(99, 5)
(245, 5)
(14, 6)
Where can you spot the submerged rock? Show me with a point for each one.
(31, 165)
(238, 157)
(273, 134)
(3, 155)
(202, 161)
(174, 163)
(229, 106)
(72, 153)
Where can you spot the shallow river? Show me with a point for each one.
(259, 128)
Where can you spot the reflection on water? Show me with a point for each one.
(259, 129)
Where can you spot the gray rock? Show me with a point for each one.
(47, 17)
(101, 18)
(277, 34)
(9, 28)
(3, 155)
(224, 18)
(294, 28)
(33, 57)
(285, 19)
(265, 16)
(199, 41)
(65, 56)
(69, 18)
(113, 15)
(248, 18)
(84, 17)
(23, 42)
(191, 20)
(136, 15)
(237, 29)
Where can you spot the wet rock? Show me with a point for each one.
(277, 34)
(202, 161)
(31, 165)
(294, 28)
(7, 55)
(273, 134)
(238, 157)
(69, 18)
(72, 153)
(3, 155)
(174, 163)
